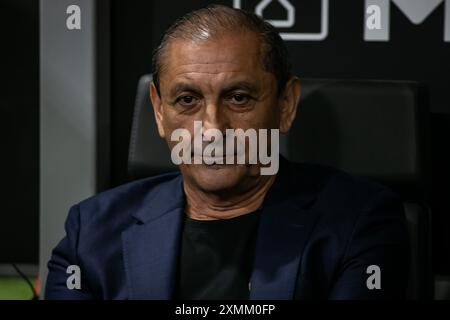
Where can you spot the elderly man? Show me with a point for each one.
(224, 229)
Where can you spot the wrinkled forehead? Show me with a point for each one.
(231, 53)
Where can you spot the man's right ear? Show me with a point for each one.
(157, 108)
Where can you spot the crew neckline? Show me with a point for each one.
(216, 222)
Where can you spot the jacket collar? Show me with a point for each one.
(151, 247)
(165, 198)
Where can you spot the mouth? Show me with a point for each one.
(213, 160)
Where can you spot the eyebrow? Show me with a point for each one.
(249, 86)
(189, 87)
(183, 86)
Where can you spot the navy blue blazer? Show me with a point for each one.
(320, 229)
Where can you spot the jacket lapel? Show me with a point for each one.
(282, 233)
(151, 246)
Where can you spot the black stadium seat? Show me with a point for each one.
(374, 129)
(379, 130)
(148, 153)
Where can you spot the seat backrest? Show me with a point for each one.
(378, 130)
(375, 129)
(148, 152)
(420, 285)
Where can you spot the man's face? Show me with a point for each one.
(220, 82)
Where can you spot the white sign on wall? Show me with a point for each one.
(376, 17)
(290, 20)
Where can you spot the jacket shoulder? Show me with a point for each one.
(123, 200)
(338, 189)
(353, 223)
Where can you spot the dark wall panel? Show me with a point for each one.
(19, 131)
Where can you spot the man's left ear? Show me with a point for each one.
(288, 103)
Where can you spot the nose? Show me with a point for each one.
(214, 117)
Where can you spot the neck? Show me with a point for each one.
(202, 205)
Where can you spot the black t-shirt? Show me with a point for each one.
(217, 258)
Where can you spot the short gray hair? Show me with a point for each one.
(213, 20)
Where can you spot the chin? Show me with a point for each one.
(216, 178)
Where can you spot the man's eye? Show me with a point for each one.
(187, 100)
(239, 99)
